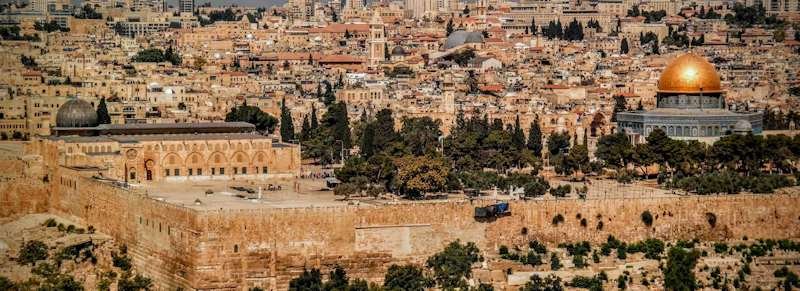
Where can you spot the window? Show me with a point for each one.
(166, 172)
(213, 171)
(244, 170)
(199, 172)
(222, 171)
(235, 170)
(132, 175)
(190, 171)
(235, 248)
(264, 170)
(177, 172)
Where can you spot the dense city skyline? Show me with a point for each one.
(410, 145)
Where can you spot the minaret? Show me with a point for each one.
(448, 94)
(377, 41)
(481, 7)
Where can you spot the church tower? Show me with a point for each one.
(377, 41)
(448, 94)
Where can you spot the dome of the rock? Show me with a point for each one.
(689, 73)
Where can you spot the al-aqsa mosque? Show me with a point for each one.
(146, 153)
(690, 104)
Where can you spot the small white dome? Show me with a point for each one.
(743, 126)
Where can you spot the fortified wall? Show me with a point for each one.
(238, 249)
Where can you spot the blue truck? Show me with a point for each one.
(492, 211)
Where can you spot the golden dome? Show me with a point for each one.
(689, 73)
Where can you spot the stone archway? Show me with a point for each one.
(149, 166)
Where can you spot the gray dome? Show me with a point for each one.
(76, 113)
(398, 51)
(743, 126)
(461, 37)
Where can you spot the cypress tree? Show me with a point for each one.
(449, 28)
(384, 124)
(655, 47)
(535, 138)
(342, 126)
(330, 97)
(287, 127)
(518, 137)
(620, 105)
(305, 130)
(368, 141)
(102, 112)
(314, 123)
(623, 49)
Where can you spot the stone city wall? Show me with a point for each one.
(267, 247)
(236, 249)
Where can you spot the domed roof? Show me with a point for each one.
(461, 37)
(689, 73)
(76, 113)
(398, 51)
(743, 126)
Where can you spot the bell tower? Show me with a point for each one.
(377, 41)
(448, 94)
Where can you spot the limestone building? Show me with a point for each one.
(146, 153)
(690, 104)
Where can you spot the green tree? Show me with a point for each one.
(406, 277)
(454, 264)
(549, 283)
(518, 136)
(6, 284)
(305, 129)
(623, 49)
(620, 105)
(535, 138)
(329, 97)
(368, 140)
(449, 28)
(555, 262)
(538, 186)
(309, 280)
(287, 125)
(102, 112)
(314, 122)
(679, 271)
(252, 114)
(129, 282)
(578, 158)
(338, 120)
(32, 251)
(614, 149)
(171, 56)
(417, 175)
(151, 55)
(337, 280)
(421, 135)
(558, 143)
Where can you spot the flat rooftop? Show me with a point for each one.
(302, 193)
(287, 193)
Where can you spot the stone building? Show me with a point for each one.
(144, 153)
(690, 104)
